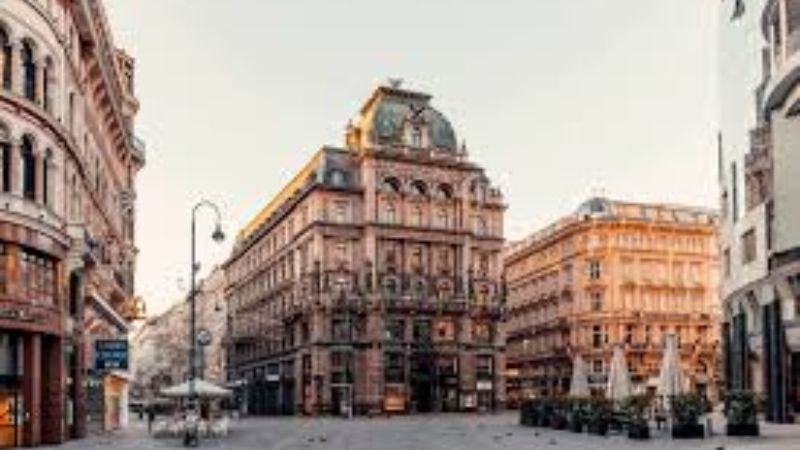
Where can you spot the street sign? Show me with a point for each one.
(111, 354)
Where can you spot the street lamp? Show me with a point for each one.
(217, 236)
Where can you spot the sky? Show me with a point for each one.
(558, 100)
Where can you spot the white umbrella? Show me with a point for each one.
(202, 388)
(580, 379)
(671, 381)
(619, 379)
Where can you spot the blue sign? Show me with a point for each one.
(111, 355)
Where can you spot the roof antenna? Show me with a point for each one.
(395, 83)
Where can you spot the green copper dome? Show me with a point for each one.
(393, 113)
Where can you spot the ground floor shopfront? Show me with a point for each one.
(351, 381)
(761, 340)
(32, 390)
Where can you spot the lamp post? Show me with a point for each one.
(217, 236)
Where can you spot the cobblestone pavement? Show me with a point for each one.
(434, 432)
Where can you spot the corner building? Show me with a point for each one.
(759, 178)
(68, 161)
(613, 273)
(372, 281)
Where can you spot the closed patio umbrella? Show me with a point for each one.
(671, 381)
(619, 379)
(580, 379)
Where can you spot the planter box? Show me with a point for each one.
(688, 431)
(576, 426)
(558, 423)
(743, 430)
(639, 432)
(598, 428)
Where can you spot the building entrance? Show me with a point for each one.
(11, 399)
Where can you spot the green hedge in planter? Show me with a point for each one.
(578, 414)
(686, 412)
(599, 416)
(742, 414)
(635, 408)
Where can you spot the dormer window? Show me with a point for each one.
(338, 178)
(416, 137)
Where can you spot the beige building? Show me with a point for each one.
(372, 280)
(612, 273)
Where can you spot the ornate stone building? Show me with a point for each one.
(68, 163)
(759, 177)
(613, 273)
(373, 279)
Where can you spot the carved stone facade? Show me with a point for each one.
(373, 280)
(613, 273)
(68, 163)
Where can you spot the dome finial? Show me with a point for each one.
(395, 83)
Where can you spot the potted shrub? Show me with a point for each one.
(578, 414)
(635, 409)
(741, 412)
(558, 418)
(686, 412)
(599, 416)
(529, 412)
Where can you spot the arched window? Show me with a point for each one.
(5, 149)
(29, 71)
(419, 189)
(28, 169)
(391, 185)
(444, 192)
(5, 58)
(416, 137)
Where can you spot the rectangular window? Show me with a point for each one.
(597, 336)
(422, 330)
(485, 367)
(749, 249)
(595, 269)
(394, 368)
(395, 330)
(597, 366)
(597, 301)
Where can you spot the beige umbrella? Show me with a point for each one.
(580, 379)
(671, 381)
(202, 389)
(619, 379)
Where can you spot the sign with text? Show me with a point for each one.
(111, 354)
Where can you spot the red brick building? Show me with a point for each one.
(68, 163)
(372, 281)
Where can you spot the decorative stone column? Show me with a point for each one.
(16, 48)
(38, 164)
(40, 83)
(14, 177)
(32, 392)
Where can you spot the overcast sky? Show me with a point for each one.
(558, 99)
